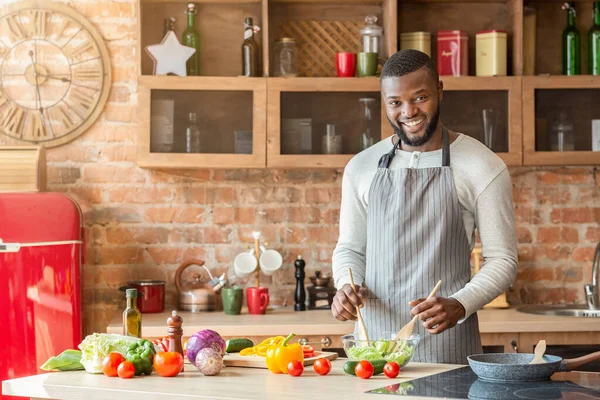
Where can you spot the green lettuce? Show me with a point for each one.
(97, 346)
(380, 349)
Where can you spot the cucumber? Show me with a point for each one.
(237, 344)
(377, 366)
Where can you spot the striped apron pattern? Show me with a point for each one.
(415, 237)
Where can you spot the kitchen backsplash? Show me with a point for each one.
(144, 223)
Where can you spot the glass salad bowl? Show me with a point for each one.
(401, 351)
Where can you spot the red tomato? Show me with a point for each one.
(111, 363)
(295, 368)
(126, 370)
(364, 369)
(308, 351)
(168, 363)
(322, 366)
(391, 369)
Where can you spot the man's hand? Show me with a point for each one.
(345, 301)
(438, 313)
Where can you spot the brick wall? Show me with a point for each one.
(144, 223)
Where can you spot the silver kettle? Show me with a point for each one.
(201, 294)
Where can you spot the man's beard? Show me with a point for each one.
(416, 142)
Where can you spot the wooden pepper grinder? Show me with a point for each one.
(300, 295)
(175, 333)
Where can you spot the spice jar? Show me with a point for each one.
(416, 40)
(331, 143)
(371, 35)
(490, 47)
(285, 58)
(453, 53)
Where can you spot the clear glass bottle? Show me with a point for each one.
(571, 43)
(192, 135)
(191, 38)
(594, 42)
(561, 135)
(250, 55)
(367, 126)
(331, 143)
(132, 317)
(371, 35)
(285, 58)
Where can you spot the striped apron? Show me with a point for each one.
(416, 237)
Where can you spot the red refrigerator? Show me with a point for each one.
(41, 255)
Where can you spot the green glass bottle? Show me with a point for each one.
(571, 43)
(132, 316)
(191, 38)
(594, 42)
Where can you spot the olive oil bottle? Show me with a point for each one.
(132, 317)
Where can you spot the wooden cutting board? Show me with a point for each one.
(235, 360)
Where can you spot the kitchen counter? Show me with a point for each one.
(320, 322)
(231, 383)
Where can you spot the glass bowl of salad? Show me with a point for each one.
(401, 351)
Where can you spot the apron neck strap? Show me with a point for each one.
(386, 159)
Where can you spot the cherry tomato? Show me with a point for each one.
(322, 366)
(111, 363)
(168, 363)
(308, 351)
(364, 369)
(391, 369)
(295, 368)
(126, 370)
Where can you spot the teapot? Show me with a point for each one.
(200, 294)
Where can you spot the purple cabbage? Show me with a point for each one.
(203, 339)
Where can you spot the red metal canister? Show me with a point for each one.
(453, 53)
(151, 295)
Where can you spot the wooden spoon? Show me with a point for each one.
(362, 329)
(407, 329)
(540, 349)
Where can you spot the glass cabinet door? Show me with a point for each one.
(561, 120)
(322, 122)
(195, 122)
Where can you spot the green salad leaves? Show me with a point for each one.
(383, 349)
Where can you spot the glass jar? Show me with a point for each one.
(561, 135)
(331, 143)
(367, 124)
(371, 35)
(285, 58)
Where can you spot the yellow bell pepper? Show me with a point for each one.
(279, 356)
(261, 348)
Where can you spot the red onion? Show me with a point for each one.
(205, 338)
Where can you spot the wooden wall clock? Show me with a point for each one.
(54, 73)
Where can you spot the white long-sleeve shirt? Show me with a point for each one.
(485, 194)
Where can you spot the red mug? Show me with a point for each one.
(258, 299)
(345, 64)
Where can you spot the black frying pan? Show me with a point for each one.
(515, 367)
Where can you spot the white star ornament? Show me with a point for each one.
(170, 55)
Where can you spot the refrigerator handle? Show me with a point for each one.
(9, 247)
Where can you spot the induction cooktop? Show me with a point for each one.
(462, 383)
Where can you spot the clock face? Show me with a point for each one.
(54, 73)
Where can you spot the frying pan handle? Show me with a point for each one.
(574, 363)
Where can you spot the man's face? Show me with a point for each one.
(412, 104)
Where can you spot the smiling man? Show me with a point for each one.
(410, 205)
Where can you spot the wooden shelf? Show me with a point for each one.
(530, 85)
(185, 2)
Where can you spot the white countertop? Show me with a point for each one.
(231, 383)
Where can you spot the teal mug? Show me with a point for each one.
(366, 64)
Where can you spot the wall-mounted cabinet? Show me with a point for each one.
(270, 121)
(322, 122)
(202, 122)
(561, 120)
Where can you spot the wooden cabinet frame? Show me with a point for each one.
(278, 85)
(257, 159)
(533, 157)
